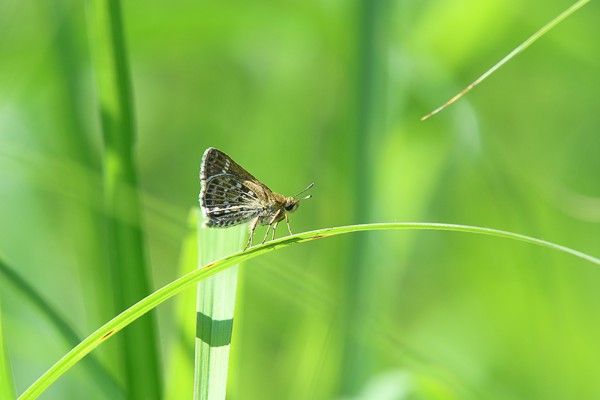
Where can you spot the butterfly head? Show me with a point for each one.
(292, 203)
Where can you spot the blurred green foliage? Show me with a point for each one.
(331, 92)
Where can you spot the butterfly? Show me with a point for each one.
(230, 195)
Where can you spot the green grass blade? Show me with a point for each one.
(125, 238)
(215, 309)
(179, 380)
(533, 38)
(175, 287)
(7, 389)
(372, 61)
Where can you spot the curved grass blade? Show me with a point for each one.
(510, 55)
(173, 288)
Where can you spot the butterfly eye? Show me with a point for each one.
(291, 206)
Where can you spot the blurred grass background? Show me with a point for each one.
(330, 92)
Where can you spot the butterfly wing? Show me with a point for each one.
(229, 194)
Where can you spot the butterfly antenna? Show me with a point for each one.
(307, 197)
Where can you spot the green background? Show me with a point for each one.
(331, 92)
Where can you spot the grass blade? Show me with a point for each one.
(180, 370)
(372, 58)
(178, 285)
(125, 238)
(215, 308)
(510, 55)
(7, 390)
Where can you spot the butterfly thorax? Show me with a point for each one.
(275, 207)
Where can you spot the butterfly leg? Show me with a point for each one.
(266, 234)
(287, 221)
(274, 227)
(252, 228)
(271, 222)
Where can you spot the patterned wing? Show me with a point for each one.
(215, 162)
(229, 194)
